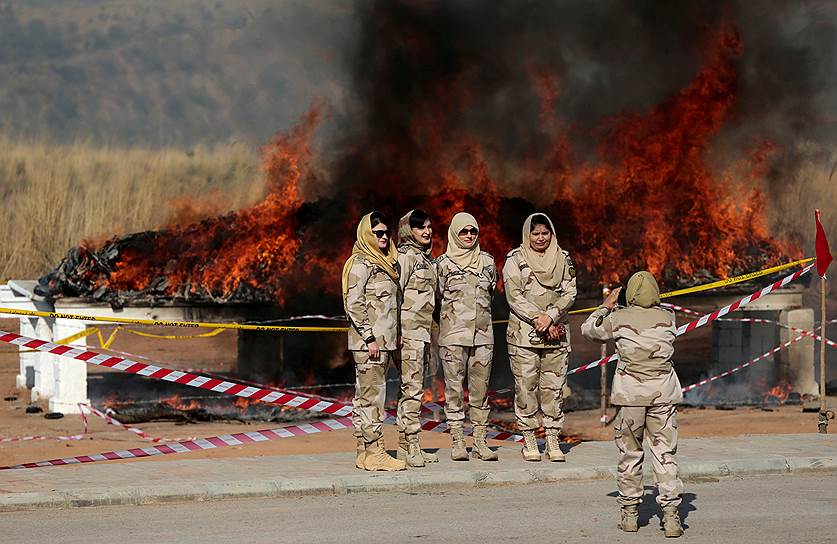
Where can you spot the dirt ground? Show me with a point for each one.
(14, 422)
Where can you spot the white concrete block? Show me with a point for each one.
(44, 386)
(70, 375)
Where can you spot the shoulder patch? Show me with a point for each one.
(570, 265)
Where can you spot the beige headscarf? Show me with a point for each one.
(642, 290)
(464, 257)
(367, 245)
(549, 265)
(406, 238)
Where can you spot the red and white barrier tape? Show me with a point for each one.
(237, 439)
(817, 337)
(40, 437)
(50, 437)
(710, 317)
(753, 361)
(185, 446)
(175, 376)
(116, 423)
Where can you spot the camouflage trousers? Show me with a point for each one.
(477, 361)
(370, 395)
(539, 379)
(410, 361)
(658, 425)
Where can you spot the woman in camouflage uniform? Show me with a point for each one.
(418, 285)
(647, 390)
(371, 299)
(539, 280)
(467, 278)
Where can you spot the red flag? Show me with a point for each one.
(824, 257)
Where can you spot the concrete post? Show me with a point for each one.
(70, 375)
(44, 386)
(797, 362)
(25, 378)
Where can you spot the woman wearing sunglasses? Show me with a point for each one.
(418, 285)
(539, 279)
(467, 278)
(370, 297)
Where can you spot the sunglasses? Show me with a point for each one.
(380, 233)
(473, 231)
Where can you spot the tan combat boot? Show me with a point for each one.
(553, 446)
(361, 453)
(458, 450)
(671, 522)
(409, 451)
(530, 447)
(404, 444)
(377, 458)
(481, 449)
(629, 522)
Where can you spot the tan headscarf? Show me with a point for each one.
(549, 265)
(406, 238)
(367, 245)
(642, 290)
(464, 257)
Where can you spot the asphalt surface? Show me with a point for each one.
(788, 508)
(150, 481)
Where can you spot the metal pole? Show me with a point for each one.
(822, 425)
(603, 376)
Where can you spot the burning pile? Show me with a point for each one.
(646, 196)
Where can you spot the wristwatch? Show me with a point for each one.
(370, 340)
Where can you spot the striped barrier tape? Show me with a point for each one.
(175, 376)
(235, 439)
(282, 328)
(720, 283)
(742, 366)
(293, 399)
(818, 338)
(116, 423)
(185, 446)
(50, 437)
(708, 318)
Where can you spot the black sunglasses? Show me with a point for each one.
(380, 233)
(467, 231)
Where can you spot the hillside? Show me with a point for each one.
(165, 73)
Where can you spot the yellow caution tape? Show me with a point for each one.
(72, 338)
(159, 323)
(175, 337)
(283, 328)
(710, 286)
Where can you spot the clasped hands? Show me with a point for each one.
(545, 327)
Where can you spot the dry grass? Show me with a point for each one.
(53, 196)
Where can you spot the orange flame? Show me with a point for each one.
(650, 200)
(177, 403)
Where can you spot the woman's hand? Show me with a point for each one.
(555, 332)
(374, 351)
(542, 322)
(612, 297)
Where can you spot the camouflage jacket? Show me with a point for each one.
(465, 307)
(418, 286)
(645, 343)
(372, 306)
(527, 298)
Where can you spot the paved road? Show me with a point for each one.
(779, 509)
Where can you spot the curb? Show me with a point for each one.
(409, 480)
